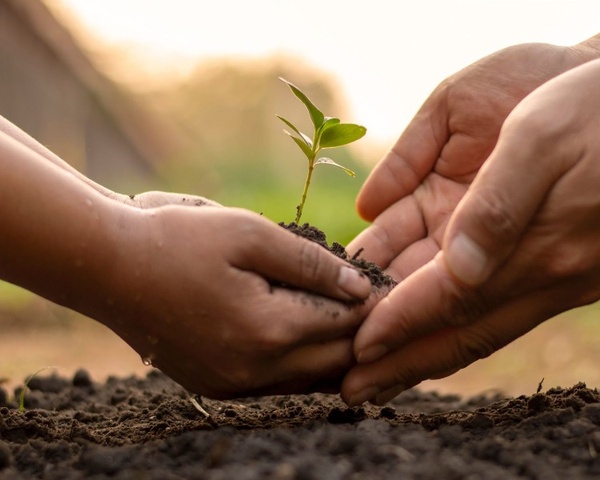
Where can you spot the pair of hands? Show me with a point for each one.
(486, 209)
(190, 289)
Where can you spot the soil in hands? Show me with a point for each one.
(379, 279)
(150, 429)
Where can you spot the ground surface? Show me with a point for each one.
(150, 429)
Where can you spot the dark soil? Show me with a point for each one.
(149, 428)
(378, 278)
(132, 428)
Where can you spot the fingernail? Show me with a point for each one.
(363, 395)
(353, 282)
(384, 397)
(467, 260)
(372, 353)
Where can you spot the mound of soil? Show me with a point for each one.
(378, 278)
(152, 429)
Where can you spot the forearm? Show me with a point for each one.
(56, 234)
(145, 200)
(22, 137)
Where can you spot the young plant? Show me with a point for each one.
(328, 132)
(26, 385)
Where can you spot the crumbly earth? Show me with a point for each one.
(378, 278)
(150, 428)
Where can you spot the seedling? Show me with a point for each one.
(328, 132)
(26, 385)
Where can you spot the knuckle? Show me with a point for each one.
(311, 260)
(266, 337)
(463, 306)
(471, 345)
(494, 217)
(271, 341)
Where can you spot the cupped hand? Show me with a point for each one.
(198, 293)
(412, 192)
(522, 246)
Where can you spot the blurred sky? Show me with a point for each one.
(386, 55)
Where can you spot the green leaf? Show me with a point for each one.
(316, 115)
(329, 161)
(328, 123)
(302, 143)
(290, 124)
(341, 134)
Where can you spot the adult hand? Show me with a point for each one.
(522, 246)
(412, 192)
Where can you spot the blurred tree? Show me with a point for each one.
(228, 107)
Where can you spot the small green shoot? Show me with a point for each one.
(328, 132)
(25, 385)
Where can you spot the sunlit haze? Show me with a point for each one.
(386, 55)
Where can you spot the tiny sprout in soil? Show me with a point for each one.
(26, 384)
(328, 132)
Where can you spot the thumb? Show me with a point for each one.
(293, 260)
(495, 212)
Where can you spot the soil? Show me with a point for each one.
(378, 278)
(149, 428)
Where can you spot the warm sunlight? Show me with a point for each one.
(386, 55)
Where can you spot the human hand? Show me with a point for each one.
(412, 192)
(522, 246)
(191, 292)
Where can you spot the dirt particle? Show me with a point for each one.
(82, 378)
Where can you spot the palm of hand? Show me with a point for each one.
(411, 195)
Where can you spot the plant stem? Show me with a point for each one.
(300, 207)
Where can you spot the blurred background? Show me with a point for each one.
(181, 95)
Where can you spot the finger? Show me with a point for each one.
(446, 351)
(391, 232)
(412, 258)
(310, 368)
(283, 256)
(495, 211)
(404, 167)
(424, 302)
(298, 318)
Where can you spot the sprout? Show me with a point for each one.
(329, 132)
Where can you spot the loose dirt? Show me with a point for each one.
(150, 428)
